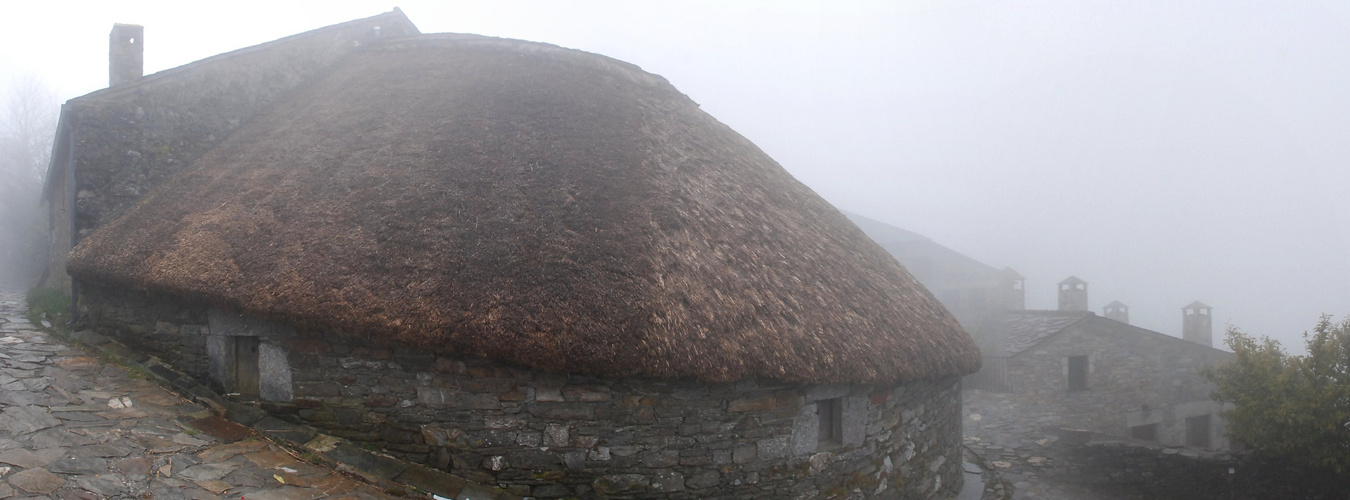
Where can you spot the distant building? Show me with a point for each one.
(968, 288)
(1104, 375)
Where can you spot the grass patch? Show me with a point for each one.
(48, 304)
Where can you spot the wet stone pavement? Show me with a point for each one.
(1020, 449)
(73, 427)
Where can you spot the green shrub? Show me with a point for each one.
(1295, 408)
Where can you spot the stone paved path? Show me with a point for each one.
(1020, 443)
(73, 427)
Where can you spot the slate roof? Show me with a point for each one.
(1022, 330)
(910, 248)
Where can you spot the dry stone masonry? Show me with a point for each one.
(554, 435)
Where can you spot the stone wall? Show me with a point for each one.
(1126, 471)
(554, 435)
(159, 326)
(60, 204)
(1135, 377)
(130, 138)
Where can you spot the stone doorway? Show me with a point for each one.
(246, 366)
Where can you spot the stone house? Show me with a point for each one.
(535, 267)
(1102, 374)
(1105, 375)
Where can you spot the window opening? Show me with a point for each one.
(1078, 373)
(830, 415)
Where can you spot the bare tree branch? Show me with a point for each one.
(27, 126)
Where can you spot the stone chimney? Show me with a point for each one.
(1073, 294)
(126, 53)
(1117, 311)
(1014, 293)
(1196, 325)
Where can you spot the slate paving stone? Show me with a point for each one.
(244, 478)
(187, 440)
(78, 495)
(243, 413)
(56, 421)
(182, 461)
(286, 493)
(157, 426)
(269, 459)
(37, 481)
(335, 485)
(222, 429)
(275, 428)
(58, 438)
(157, 444)
(138, 466)
(124, 413)
(26, 419)
(365, 461)
(214, 486)
(161, 398)
(108, 485)
(207, 472)
(79, 465)
(23, 458)
(102, 451)
(78, 416)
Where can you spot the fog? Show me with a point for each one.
(1164, 152)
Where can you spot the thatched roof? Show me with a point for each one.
(542, 206)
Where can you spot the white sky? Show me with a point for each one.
(1162, 151)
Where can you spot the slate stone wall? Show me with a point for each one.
(173, 330)
(556, 435)
(1135, 377)
(1130, 471)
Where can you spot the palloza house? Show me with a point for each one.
(534, 267)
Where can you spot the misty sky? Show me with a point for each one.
(1164, 152)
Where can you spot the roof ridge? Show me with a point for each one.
(119, 90)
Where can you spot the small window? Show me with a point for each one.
(830, 415)
(1197, 431)
(1144, 432)
(1078, 373)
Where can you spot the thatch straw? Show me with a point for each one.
(542, 206)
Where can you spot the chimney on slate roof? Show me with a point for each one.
(126, 53)
(1196, 325)
(1118, 311)
(1073, 294)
